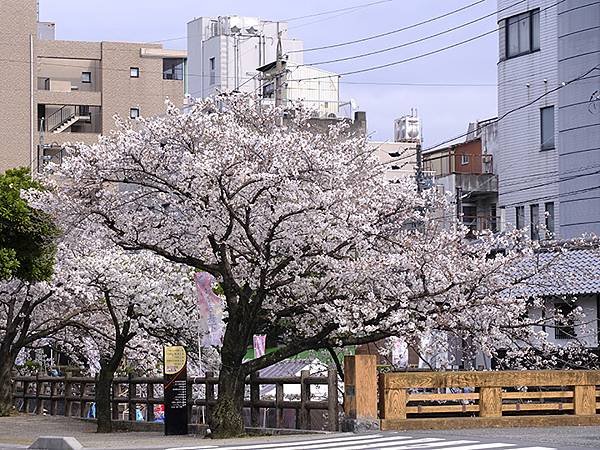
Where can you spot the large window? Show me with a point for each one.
(522, 33)
(173, 68)
(520, 213)
(534, 211)
(212, 65)
(565, 325)
(549, 207)
(547, 128)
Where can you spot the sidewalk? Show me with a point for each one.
(22, 430)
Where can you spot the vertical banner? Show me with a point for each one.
(175, 390)
(259, 341)
(210, 311)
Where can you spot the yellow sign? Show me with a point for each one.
(175, 359)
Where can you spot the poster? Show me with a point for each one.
(175, 390)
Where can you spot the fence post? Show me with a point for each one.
(26, 402)
(254, 399)
(332, 398)
(584, 400)
(68, 393)
(360, 396)
(149, 404)
(39, 403)
(53, 393)
(209, 390)
(278, 405)
(392, 400)
(490, 402)
(82, 387)
(304, 412)
(130, 396)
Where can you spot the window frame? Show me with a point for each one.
(565, 331)
(465, 159)
(534, 41)
(131, 72)
(552, 146)
(89, 77)
(534, 221)
(549, 219)
(131, 110)
(520, 212)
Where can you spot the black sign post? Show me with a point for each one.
(175, 390)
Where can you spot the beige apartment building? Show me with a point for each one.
(53, 92)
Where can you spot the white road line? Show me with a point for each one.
(356, 442)
(192, 448)
(533, 448)
(434, 443)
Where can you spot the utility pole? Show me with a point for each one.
(278, 70)
(419, 174)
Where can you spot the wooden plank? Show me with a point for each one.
(392, 402)
(490, 402)
(332, 399)
(431, 409)
(537, 406)
(360, 397)
(584, 400)
(454, 423)
(491, 379)
(443, 397)
(546, 394)
(278, 405)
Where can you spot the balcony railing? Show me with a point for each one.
(452, 163)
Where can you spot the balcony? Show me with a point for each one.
(64, 85)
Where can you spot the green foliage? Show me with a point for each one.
(27, 235)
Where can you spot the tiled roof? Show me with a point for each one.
(568, 272)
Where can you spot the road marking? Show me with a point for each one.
(192, 448)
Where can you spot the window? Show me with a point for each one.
(464, 159)
(547, 128)
(134, 72)
(269, 90)
(549, 207)
(173, 68)
(212, 66)
(522, 33)
(534, 214)
(493, 218)
(134, 113)
(469, 217)
(520, 216)
(564, 325)
(86, 77)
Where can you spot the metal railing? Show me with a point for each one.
(132, 398)
(63, 115)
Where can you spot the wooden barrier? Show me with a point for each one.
(503, 398)
(74, 396)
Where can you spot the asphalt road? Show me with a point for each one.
(20, 431)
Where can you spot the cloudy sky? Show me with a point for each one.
(449, 89)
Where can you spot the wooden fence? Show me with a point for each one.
(437, 400)
(74, 396)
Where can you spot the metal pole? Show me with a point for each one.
(419, 168)
(278, 70)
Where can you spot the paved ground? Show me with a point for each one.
(19, 432)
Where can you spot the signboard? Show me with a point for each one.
(175, 390)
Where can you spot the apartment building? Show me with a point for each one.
(54, 92)
(465, 171)
(549, 141)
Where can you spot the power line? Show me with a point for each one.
(417, 41)
(333, 11)
(398, 30)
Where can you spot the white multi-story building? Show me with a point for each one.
(548, 137)
(234, 53)
(225, 52)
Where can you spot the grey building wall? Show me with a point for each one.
(579, 117)
(527, 175)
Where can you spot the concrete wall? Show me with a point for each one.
(527, 175)
(579, 118)
(17, 26)
(237, 58)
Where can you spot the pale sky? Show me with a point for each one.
(444, 110)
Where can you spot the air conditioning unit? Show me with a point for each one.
(407, 129)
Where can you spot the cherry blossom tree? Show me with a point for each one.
(300, 229)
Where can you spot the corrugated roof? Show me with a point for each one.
(567, 272)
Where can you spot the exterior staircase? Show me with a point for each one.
(65, 117)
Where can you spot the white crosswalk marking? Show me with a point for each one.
(378, 441)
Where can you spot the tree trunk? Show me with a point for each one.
(6, 401)
(227, 420)
(103, 400)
